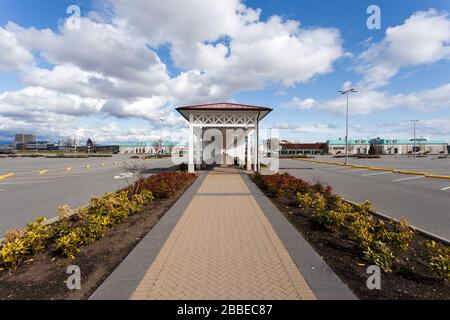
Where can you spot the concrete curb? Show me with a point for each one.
(427, 234)
(325, 284)
(123, 281)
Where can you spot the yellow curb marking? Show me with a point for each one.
(437, 176)
(6, 176)
(43, 172)
(381, 169)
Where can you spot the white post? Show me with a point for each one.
(242, 151)
(198, 147)
(249, 150)
(191, 167)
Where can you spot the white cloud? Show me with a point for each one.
(424, 38)
(369, 101)
(228, 41)
(13, 56)
(300, 104)
(37, 102)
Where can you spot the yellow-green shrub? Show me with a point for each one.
(362, 229)
(316, 201)
(438, 258)
(332, 220)
(342, 206)
(148, 197)
(365, 207)
(94, 229)
(14, 250)
(37, 235)
(69, 244)
(380, 254)
(400, 235)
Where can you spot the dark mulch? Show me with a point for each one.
(410, 278)
(44, 277)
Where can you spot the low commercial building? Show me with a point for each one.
(151, 148)
(357, 146)
(292, 149)
(423, 146)
(380, 146)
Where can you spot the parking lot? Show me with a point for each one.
(39, 185)
(425, 202)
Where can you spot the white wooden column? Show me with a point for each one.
(249, 150)
(191, 166)
(198, 146)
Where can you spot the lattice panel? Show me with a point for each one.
(227, 119)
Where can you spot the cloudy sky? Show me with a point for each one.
(117, 73)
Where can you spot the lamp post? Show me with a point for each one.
(414, 150)
(347, 92)
(161, 143)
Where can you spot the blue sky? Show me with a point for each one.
(131, 62)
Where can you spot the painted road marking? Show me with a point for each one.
(354, 170)
(2, 190)
(43, 172)
(376, 174)
(124, 175)
(446, 188)
(25, 182)
(412, 178)
(69, 169)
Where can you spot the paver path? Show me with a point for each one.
(223, 247)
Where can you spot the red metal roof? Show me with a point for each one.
(225, 106)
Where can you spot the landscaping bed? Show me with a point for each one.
(349, 239)
(96, 238)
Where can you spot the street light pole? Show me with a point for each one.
(161, 143)
(414, 121)
(347, 92)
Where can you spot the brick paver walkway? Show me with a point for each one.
(223, 247)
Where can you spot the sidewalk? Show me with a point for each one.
(221, 247)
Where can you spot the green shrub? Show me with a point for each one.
(69, 244)
(380, 254)
(438, 258)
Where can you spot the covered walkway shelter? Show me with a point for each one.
(224, 134)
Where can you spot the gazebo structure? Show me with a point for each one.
(224, 133)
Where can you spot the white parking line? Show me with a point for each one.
(412, 178)
(446, 188)
(376, 174)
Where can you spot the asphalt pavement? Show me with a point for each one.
(39, 186)
(424, 202)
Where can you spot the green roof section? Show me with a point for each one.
(165, 144)
(351, 141)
